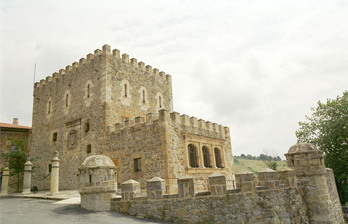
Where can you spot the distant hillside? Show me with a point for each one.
(255, 166)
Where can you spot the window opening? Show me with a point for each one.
(89, 149)
(137, 165)
(218, 158)
(67, 100)
(192, 155)
(125, 90)
(49, 168)
(54, 136)
(88, 88)
(206, 156)
(49, 106)
(143, 96)
(160, 101)
(87, 126)
(90, 178)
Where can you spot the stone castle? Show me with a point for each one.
(111, 105)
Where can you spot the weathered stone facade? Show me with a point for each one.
(111, 105)
(305, 192)
(8, 133)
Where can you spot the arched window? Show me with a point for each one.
(206, 156)
(143, 96)
(88, 90)
(160, 101)
(217, 158)
(192, 155)
(125, 90)
(67, 100)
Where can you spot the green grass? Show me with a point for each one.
(254, 166)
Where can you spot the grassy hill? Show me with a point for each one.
(255, 166)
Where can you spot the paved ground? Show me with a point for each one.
(15, 210)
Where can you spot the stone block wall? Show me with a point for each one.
(265, 205)
(160, 144)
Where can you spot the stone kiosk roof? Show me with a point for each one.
(302, 148)
(97, 161)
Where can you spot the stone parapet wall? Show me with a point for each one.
(258, 204)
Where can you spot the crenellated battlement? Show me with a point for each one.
(187, 124)
(249, 203)
(104, 54)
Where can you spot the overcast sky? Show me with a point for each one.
(254, 66)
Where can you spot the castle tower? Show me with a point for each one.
(74, 108)
(312, 181)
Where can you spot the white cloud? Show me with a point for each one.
(254, 66)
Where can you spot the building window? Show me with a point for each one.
(89, 149)
(90, 178)
(218, 158)
(124, 119)
(67, 100)
(49, 168)
(192, 155)
(54, 136)
(137, 165)
(49, 107)
(143, 96)
(87, 126)
(125, 90)
(206, 156)
(88, 90)
(160, 101)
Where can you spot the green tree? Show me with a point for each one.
(327, 128)
(16, 158)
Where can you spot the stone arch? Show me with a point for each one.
(193, 155)
(206, 156)
(159, 101)
(218, 157)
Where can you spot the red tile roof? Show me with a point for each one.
(6, 125)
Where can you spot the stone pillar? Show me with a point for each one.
(186, 187)
(130, 189)
(4, 183)
(245, 182)
(156, 187)
(309, 166)
(268, 178)
(97, 183)
(217, 184)
(27, 177)
(54, 174)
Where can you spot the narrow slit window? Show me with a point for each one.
(160, 101)
(125, 90)
(49, 106)
(90, 178)
(67, 100)
(88, 90)
(143, 96)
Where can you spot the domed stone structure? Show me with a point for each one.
(97, 182)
